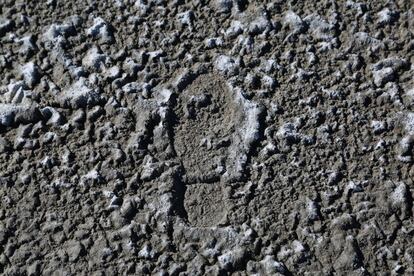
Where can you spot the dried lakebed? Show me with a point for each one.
(227, 137)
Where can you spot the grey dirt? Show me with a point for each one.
(224, 137)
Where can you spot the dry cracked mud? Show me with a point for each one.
(224, 137)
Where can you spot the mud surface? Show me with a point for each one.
(224, 137)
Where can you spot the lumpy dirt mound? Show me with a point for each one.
(223, 137)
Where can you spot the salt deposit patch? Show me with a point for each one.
(79, 94)
(100, 29)
(11, 114)
(30, 73)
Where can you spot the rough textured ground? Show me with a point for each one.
(225, 137)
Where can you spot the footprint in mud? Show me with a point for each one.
(209, 139)
(207, 119)
(206, 123)
(206, 204)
